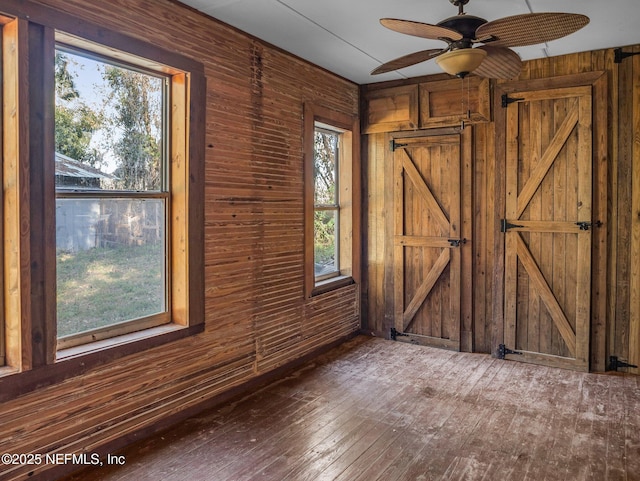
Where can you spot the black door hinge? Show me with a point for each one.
(619, 55)
(615, 364)
(506, 225)
(506, 100)
(394, 334)
(503, 351)
(393, 145)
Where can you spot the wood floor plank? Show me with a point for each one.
(632, 431)
(377, 410)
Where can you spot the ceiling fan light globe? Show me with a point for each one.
(461, 62)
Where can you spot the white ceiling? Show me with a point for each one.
(345, 36)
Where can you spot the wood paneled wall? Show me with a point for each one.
(619, 334)
(257, 318)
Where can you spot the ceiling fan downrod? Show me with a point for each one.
(460, 4)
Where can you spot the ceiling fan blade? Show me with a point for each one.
(500, 62)
(530, 28)
(419, 29)
(407, 60)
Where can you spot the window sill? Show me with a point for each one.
(7, 371)
(331, 284)
(113, 342)
(78, 360)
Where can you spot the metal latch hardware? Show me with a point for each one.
(457, 242)
(587, 225)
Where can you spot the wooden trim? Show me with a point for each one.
(58, 20)
(17, 384)
(307, 155)
(356, 201)
(15, 167)
(178, 237)
(113, 331)
(450, 344)
(562, 81)
(332, 284)
(314, 113)
(41, 205)
(634, 311)
(196, 132)
(466, 232)
(608, 335)
(599, 244)
(3, 67)
(549, 360)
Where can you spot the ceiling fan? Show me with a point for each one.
(494, 59)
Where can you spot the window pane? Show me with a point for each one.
(326, 163)
(108, 125)
(110, 261)
(325, 242)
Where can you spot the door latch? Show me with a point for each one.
(587, 225)
(457, 242)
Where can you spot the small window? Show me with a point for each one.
(331, 200)
(326, 218)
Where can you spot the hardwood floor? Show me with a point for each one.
(381, 410)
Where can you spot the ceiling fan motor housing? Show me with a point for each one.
(466, 25)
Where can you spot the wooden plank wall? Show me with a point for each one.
(616, 313)
(257, 318)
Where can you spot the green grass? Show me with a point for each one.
(104, 286)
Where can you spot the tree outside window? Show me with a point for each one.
(326, 204)
(111, 195)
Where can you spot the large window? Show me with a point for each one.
(331, 200)
(112, 191)
(102, 196)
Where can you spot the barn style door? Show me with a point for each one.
(548, 227)
(427, 240)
